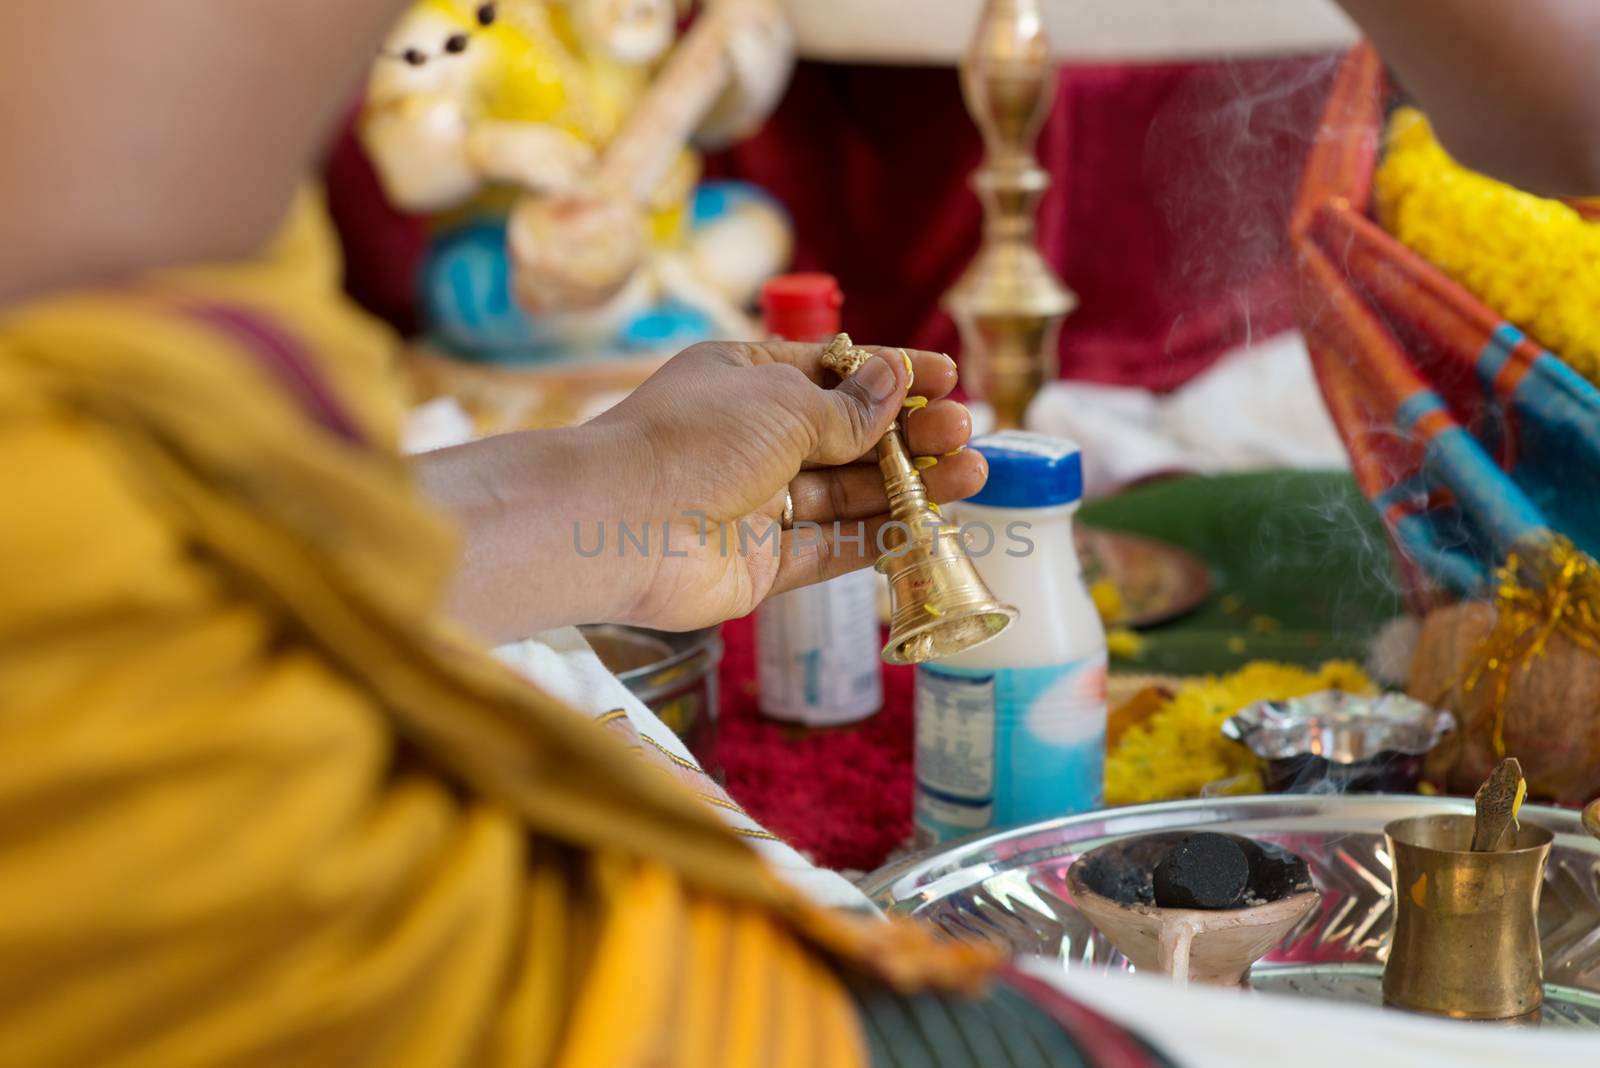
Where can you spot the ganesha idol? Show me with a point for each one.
(552, 145)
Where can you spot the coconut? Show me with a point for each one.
(1552, 709)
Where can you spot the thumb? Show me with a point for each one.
(858, 411)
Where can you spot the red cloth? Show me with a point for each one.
(1173, 187)
(1173, 183)
(841, 796)
(382, 247)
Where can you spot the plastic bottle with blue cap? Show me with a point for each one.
(1014, 731)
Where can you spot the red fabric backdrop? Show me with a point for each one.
(1173, 184)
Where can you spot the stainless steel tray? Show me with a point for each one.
(1012, 887)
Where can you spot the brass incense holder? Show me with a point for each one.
(1009, 304)
(1466, 931)
(1466, 892)
(940, 606)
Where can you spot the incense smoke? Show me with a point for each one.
(1224, 156)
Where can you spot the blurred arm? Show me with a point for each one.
(141, 133)
(1511, 87)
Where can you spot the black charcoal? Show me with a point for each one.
(1203, 871)
(1112, 873)
(1275, 873)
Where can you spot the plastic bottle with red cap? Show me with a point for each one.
(802, 307)
(817, 647)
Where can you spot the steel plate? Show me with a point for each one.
(1011, 887)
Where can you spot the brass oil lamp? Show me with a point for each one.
(1009, 305)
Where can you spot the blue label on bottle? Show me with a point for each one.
(1008, 746)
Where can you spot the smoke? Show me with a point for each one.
(1309, 775)
(1224, 156)
(1347, 529)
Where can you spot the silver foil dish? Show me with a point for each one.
(1338, 742)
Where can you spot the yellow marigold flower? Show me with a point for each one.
(1107, 599)
(1534, 261)
(1180, 750)
(1124, 644)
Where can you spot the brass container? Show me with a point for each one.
(674, 675)
(1466, 931)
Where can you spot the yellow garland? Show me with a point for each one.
(1180, 749)
(1546, 587)
(1534, 261)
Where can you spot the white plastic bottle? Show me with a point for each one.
(1014, 731)
(817, 648)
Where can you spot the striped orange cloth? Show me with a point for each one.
(1469, 436)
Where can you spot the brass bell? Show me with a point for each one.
(940, 606)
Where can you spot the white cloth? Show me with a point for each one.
(438, 424)
(1208, 1027)
(1258, 408)
(564, 665)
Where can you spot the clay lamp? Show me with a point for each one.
(1193, 905)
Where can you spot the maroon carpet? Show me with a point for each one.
(842, 796)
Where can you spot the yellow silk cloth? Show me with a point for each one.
(257, 808)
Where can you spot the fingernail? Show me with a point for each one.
(911, 375)
(877, 378)
(948, 358)
(913, 403)
(956, 451)
(925, 462)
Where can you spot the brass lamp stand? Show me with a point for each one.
(1009, 304)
